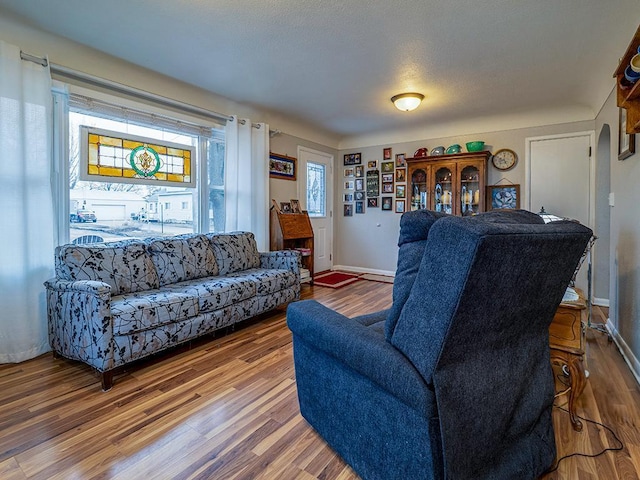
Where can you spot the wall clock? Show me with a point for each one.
(504, 159)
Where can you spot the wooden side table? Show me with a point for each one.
(567, 343)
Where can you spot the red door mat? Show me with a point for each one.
(334, 279)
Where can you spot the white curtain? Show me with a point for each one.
(26, 220)
(246, 179)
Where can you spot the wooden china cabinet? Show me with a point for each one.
(452, 183)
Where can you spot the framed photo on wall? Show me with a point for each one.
(353, 159)
(626, 141)
(348, 210)
(503, 196)
(281, 166)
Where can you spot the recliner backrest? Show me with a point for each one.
(479, 282)
(414, 231)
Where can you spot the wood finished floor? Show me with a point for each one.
(226, 408)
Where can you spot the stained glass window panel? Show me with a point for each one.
(112, 156)
(316, 189)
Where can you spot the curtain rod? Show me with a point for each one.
(124, 89)
(135, 92)
(131, 91)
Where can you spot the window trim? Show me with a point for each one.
(61, 93)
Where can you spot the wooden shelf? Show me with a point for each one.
(628, 97)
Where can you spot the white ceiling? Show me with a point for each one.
(335, 64)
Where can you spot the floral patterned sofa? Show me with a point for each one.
(116, 302)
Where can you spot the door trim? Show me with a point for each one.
(301, 185)
(592, 168)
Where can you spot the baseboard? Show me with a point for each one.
(626, 352)
(601, 302)
(348, 268)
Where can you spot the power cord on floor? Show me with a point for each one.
(588, 455)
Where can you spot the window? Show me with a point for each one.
(106, 155)
(141, 173)
(316, 190)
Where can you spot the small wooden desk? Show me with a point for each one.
(567, 343)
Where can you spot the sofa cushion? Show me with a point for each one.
(183, 258)
(235, 251)
(134, 312)
(125, 265)
(414, 230)
(267, 280)
(215, 292)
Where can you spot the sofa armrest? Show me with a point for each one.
(80, 324)
(88, 286)
(361, 349)
(281, 259)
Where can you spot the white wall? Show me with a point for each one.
(370, 240)
(624, 250)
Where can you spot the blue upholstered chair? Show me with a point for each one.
(454, 380)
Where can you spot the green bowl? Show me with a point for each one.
(475, 146)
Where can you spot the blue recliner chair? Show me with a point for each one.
(454, 380)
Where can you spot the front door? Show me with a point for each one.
(316, 195)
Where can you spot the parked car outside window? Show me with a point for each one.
(83, 216)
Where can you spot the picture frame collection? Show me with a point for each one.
(377, 186)
(292, 206)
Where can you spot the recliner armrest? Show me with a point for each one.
(361, 349)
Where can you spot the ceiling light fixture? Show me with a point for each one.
(407, 101)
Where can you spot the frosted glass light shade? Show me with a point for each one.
(407, 101)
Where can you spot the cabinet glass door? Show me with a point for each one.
(419, 190)
(470, 190)
(442, 194)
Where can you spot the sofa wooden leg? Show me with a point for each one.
(107, 380)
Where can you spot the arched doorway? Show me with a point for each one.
(602, 227)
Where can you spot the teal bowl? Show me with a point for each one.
(475, 146)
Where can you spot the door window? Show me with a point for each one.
(316, 189)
